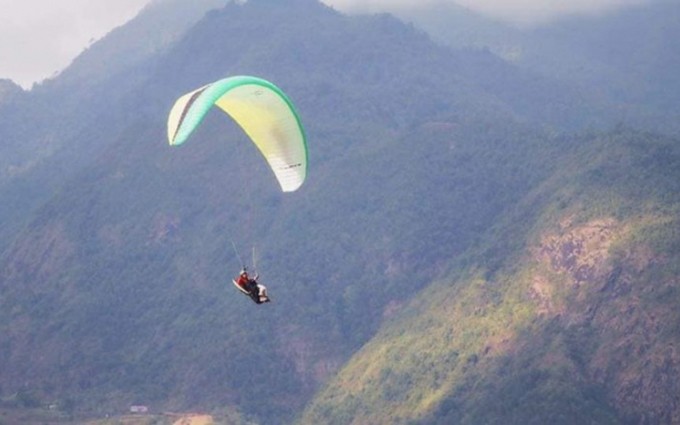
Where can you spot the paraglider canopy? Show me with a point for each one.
(262, 110)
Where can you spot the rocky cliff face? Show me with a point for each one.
(583, 328)
(602, 281)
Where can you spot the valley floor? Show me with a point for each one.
(49, 417)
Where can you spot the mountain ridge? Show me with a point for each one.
(116, 288)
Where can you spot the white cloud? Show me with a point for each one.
(39, 38)
(527, 12)
(520, 12)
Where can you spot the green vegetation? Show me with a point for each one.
(538, 340)
(449, 260)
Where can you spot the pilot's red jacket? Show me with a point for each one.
(242, 281)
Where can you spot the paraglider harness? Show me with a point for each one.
(251, 288)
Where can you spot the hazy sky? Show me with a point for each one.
(41, 37)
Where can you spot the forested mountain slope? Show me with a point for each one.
(115, 287)
(64, 123)
(568, 314)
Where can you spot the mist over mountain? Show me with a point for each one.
(517, 13)
(627, 58)
(474, 234)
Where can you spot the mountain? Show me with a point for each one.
(444, 187)
(154, 29)
(8, 90)
(51, 131)
(572, 318)
(627, 58)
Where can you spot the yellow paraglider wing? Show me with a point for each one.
(262, 110)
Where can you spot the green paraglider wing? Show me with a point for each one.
(262, 110)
